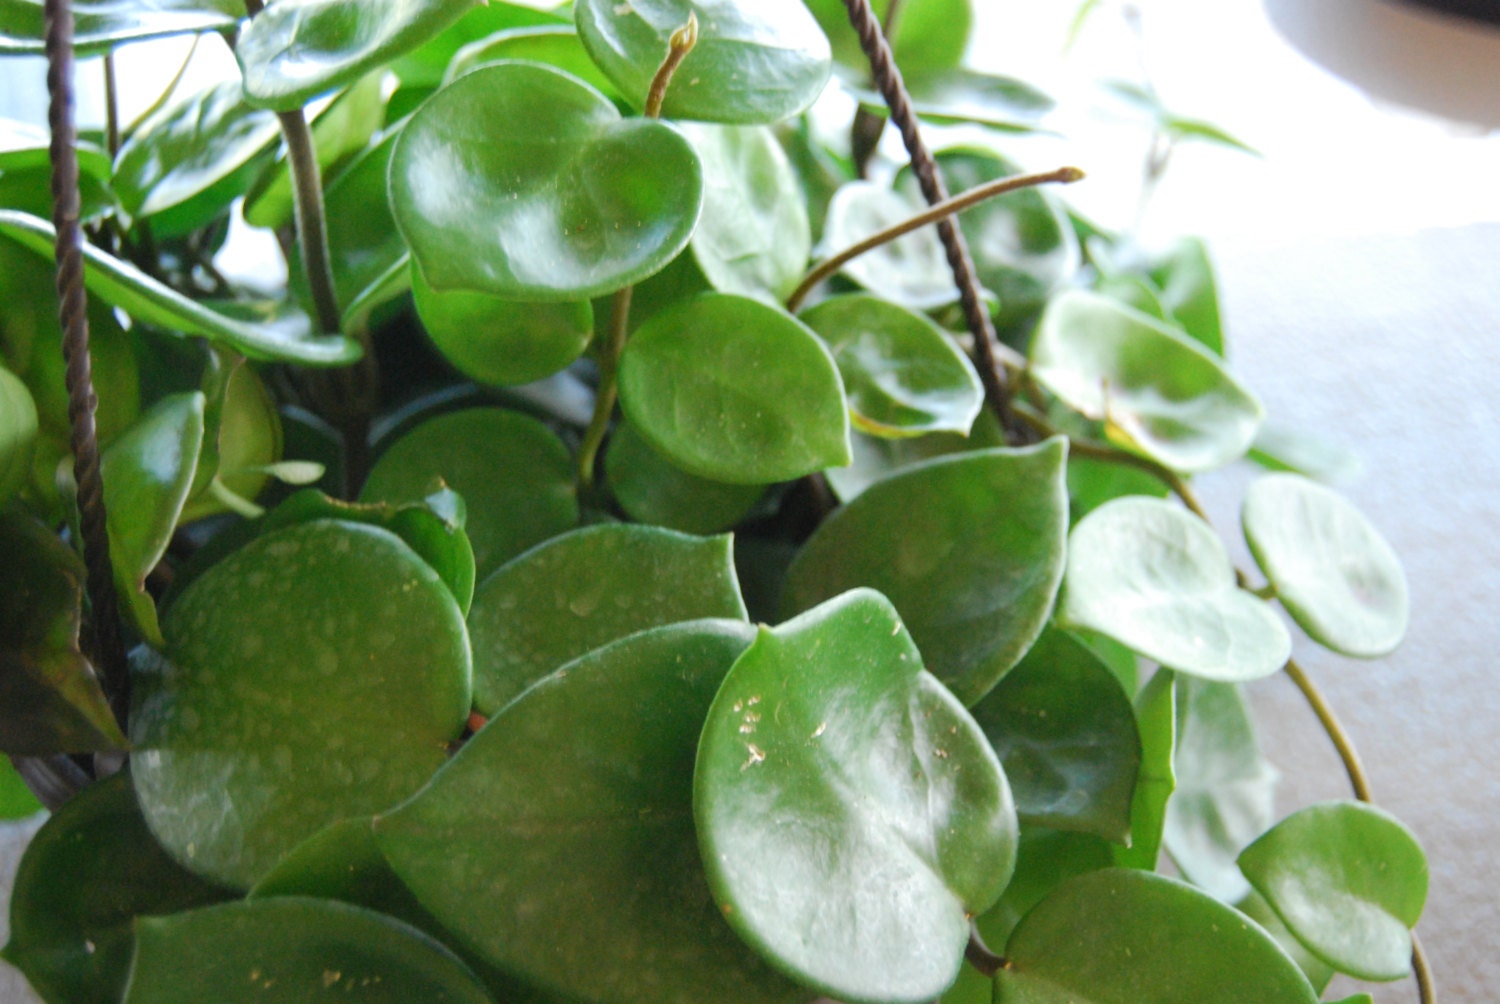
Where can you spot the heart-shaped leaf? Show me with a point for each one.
(830, 757)
(18, 429)
(514, 474)
(605, 202)
(314, 674)
(1156, 579)
(927, 35)
(150, 302)
(1066, 735)
(903, 375)
(735, 390)
(876, 458)
(969, 548)
(1155, 389)
(553, 44)
(912, 270)
(50, 701)
(295, 50)
(1156, 721)
(553, 823)
(102, 24)
(290, 950)
(650, 489)
(585, 589)
(753, 238)
(1349, 880)
(1122, 936)
(85, 877)
(1333, 571)
(754, 63)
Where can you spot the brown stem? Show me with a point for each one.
(678, 46)
(1426, 989)
(1341, 741)
(980, 956)
(312, 228)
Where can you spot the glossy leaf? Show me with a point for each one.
(969, 548)
(1333, 571)
(753, 63)
(363, 243)
(148, 474)
(313, 675)
(514, 474)
(735, 390)
(650, 489)
(912, 270)
(1157, 390)
(1318, 972)
(1189, 292)
(1122, 936)
(150, 302)
(102, 24)
(26, 171)
(877, 458)
(927, 36)
(1349, 880)
(903, 375)
(586, 589)
(1156, 720)
(553, 44)
(428, 65)
(499, 341)
(829, 757)
(88, 873)
(1225, 788)
(1044, 860)
(1066, 735)
(18, 430)
(605, 202)
(1092, 483)
(242, 443)
(50, 700)
(753, 238)
(599, 832)
(1155, 578)
(295, 50)
(290, 950)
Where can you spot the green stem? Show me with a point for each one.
(111, 106)
(1341, 741)
(1426, 989)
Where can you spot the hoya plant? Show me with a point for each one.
(672, 538)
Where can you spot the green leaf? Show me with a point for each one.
(1333, 571)
(1156, 720)
(429, 65)
(753, 238)
(1284, 448)
(1122, 936)
(315, 674)
(1318, 972)
(1225, 788)
(363, 243)
(16, 800)
(18, 431)
(242, 443)
(1176, 127)
(1348, 880)
(1157, 390)
(959, 96)
(26, 172)
(928, 36)
(514, 474)
(604, 203)
(148, 473)
(652, 490)
(1189, 292)
(1135, 293)
(102, 24)
(735, 390)
(969, 548)
(831, 760)
(499, 341)
(290, 950)
(912, 270)
(598, 832)
(754, 64)
(902, 373)
(87, 874)
(1156, 579)
(50, 701)
(553, 44)
(1066, 735)
(295, 50)
(586, 589)
(876, 458)
(150, 302)
(1092, 483)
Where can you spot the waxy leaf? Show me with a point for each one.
(315, 674)
(291, 950)
(87, 874)
(1066, 735)
(735, 390)
(1333, 571)
(499, 341)
(755, 63)
(586, 589)
(912, 271)
(1155, 389)
(903, 375)
(877, 457)
(363, 242)
(1189, 292)
(242, 442)
(1156, 579)
(969, 548)
(1092, 483)
(852, 816)
(527, 821)
(102, 24)
(50, 701)
(18, 429)
(431, 64)
(753, 238)
(652, 490)
(1318, 972)
(1156, 721)
(554, 44)
(150, 302)
(295, 50)
(1285, 448)
(603, 203)
(1349, 881)
(26, 172)
(1122, 936)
